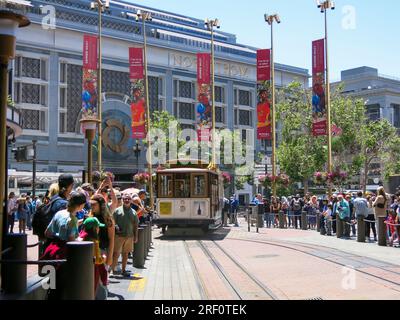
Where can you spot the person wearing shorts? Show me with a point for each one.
(126, 233)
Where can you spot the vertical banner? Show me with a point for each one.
(138, 104)
(89, 83)
(204, 112)
(320, 126)
(264, 94)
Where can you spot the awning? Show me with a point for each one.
(25, 177)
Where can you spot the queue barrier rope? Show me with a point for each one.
(40, 262)
(35, 245)
(6, 251)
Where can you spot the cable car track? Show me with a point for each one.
(223, 274)
(286, 246)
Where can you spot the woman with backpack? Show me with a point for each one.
(62, 229)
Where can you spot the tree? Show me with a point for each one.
(301, 154)
(379, 140)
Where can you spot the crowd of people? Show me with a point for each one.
(90, 212)
(346, 207)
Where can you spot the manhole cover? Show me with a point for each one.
(266, 256)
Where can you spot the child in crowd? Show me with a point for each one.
(391, 227)
(90, 232)
(328, 219)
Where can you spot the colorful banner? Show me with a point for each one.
(320, 126)
(204, 107)
(138, 104)
(89, 83)
(264, 94)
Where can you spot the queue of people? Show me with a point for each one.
(67, 212)
(379, 208)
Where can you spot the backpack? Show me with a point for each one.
(296, 205)
(42, 217)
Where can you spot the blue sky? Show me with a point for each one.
(370, 39)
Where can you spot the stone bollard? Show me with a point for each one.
(138, 255)
(304, 222)
(146, 239)
(360, 229)
(281, 216)
(339, 227)
(318, 216)
(14, 275)
(78, 271)
(382, 232)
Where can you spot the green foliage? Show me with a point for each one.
(10, 101)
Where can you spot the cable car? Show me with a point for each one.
(189, 196)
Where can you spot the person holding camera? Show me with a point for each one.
(126, 233)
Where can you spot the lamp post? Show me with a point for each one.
(325, 6)
(270, 19)
(210, 25)
(9, 23)
(101, 5)
(137, 149)
(144, 17)
(89, 127)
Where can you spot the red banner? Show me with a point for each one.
(138, 101)
(263, 65)
(90, 52)
(204, 107)
(264, 94)
(136, 68)
(320, 126)
(89, 81)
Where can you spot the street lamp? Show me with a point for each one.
(101, 5)
(270, 19)
(325, 6)
(210, 24)
(137, 149)
(9, 23)
(144, 17)
(89, 127)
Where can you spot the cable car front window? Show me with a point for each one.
(199, 186)
(182, 186)
(166, 186)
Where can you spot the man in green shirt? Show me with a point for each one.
(126, 233)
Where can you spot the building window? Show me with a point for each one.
(245, 118)
(219, 114)
(184, 89)
(63, 72)
(242, 97)
(184, 110)
(396, 115)
(31, 68)
(156, 93)
(374, 112)
(73, 98)
(34, 120)
(220, 94)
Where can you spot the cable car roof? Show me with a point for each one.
(186, 170)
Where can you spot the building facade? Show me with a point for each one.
(47, 80)
(381, 94)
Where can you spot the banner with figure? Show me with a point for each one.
(204, 106)
(264, 94)
(138, 101)
(89, 81)
(320, 126)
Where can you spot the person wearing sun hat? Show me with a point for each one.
(90, 232)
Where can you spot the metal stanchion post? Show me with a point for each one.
(260, 216)
(145, 239)
(318, 221)
(382, 232)
(14, 275)
(281, 220)
(339, 227)
(248, 218)
(360, 229)
(304, 222)
(80, 271)
(138, 255)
